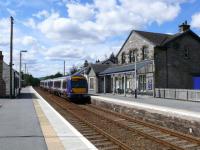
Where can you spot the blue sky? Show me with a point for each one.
(74, 30)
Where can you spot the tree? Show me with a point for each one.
(113, 58)
(57, 75)
(85, 63)
(30, 80)
(97, 61)
(73, 70)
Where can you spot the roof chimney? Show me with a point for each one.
(184, 27)
(2, 82)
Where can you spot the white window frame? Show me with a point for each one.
(93, 83)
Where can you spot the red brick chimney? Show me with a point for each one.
(2, 82)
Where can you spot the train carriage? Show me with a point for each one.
(73, 87)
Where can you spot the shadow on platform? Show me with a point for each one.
(27, 96)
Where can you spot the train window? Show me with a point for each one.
(64, 84)
(79, 83)
(57, 84)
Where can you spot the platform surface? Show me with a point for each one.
(30, 123)
(168, 106)
(19, 125)
(69, 136)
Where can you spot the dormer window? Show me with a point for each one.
(144, 53)
(123, 58)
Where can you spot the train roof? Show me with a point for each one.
(60, 78)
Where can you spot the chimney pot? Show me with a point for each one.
(184, 27)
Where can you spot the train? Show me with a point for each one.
(74, 87)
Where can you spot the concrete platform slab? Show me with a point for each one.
(69, 136)
(19, 126)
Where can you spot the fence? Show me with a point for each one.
(180, 94)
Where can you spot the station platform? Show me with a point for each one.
(181, 108)
(30, 123)
(183, 116)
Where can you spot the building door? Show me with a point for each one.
(196, 82)
(142, 83)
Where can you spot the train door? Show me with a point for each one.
(196, 82)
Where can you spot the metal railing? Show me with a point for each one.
(179, 94)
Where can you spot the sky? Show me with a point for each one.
(77, 30)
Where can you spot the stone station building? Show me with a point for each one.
(162, 61)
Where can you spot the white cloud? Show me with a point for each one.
(28, 41)
(80, 12)
(86, 32)
(41, 14)
(30, 23)
(66, 29)
(100, 20)
(11, 12)
(4, 32)
(195, 23)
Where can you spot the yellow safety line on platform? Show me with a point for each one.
(52, 140)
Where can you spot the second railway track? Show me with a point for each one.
(111, 130)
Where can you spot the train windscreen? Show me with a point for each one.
(79, 83)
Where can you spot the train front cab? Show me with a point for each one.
(77, 88)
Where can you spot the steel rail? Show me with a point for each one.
(146, 135)
(150, 125)
(100, 131)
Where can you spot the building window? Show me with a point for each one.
(91, 81)
(123, 58)
(142, 83)
(144, 53)
(131, 56)
(186, 53)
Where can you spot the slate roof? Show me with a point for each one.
(159, 39)
(98, 67)
(124, 68)
(155, 38)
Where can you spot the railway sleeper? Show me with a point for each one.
(113, 147)
(189, 146)
(107, 143)
(161, 136)
(90, 134)
(147, 130)
(170, 139)
(99, 140)
(180, 142)
(134, 126)
(92, 137)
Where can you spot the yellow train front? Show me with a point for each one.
(76, 87)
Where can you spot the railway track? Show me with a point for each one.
(90, 119)
(172, 139)
(95, 135)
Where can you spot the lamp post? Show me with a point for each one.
(64, 68)
(11, 54)
(20, 65)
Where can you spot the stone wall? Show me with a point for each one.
(136, 41)
(184, 125)
(2, 82)
(172, 68)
